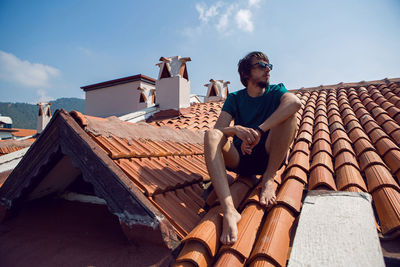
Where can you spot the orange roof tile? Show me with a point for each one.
(349, 137)
(202, 116)
(346, 133)
(24, 132)
(11, 145)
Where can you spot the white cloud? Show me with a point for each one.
(206, 13)
(224, 19)
(225, 16)
(254, 2)
(43, 97)
(85, 50)
(24, 72)
(244, 20)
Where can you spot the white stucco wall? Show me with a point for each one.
(173, 93)
(116, 100)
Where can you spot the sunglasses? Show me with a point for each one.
(263, 65)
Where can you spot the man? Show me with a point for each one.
(265, 126)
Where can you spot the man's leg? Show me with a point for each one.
(277, 146)
(219, 153)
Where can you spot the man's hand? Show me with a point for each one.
(249, 137)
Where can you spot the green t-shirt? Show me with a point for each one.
(250, 111)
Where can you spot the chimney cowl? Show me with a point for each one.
(44, 116)
(217, 90)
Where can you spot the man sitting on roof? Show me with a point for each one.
(265, 126)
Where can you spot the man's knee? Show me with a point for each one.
(213, 137)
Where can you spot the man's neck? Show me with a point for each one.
(254, 90)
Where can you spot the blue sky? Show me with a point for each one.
(49, 49)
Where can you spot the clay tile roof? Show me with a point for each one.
(347, 140)
(344, 142)
(11, 145)
(201, 116)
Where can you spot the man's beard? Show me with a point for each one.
(263, 84)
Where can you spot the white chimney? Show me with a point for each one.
(44, 116)
(173, 85)
(217, 90)
(146, 97)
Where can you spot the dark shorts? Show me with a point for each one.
(256, 162)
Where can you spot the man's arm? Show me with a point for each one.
(247, 135)
(223, 122)
(289, 105)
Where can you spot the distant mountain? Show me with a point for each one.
(25, 115)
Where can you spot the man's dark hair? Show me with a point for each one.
(244, 65)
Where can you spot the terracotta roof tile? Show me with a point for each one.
(321, 127)
(321, 176)
(300, 160)
(378, 176)
(273, 243)
(202, 116)
(229, 258)
(207, 232)
(322, 159)
(387, 203)
(296, 172)
(351, 118)
(23, 132)
(392, 159)
(304, 136)
(321, 145)
(342, 145)
(357, 133)
(290, 194)
(345, 158)
(247, 231)
(301, 146)
(322, 135)
(195, 253)
(336, 125)
(349, 176)
(339, 135)
(369, 158)
(362, 145)
(177, 209)
(385, 145)
(11, 145)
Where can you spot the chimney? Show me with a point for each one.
(173, 85)
(44, 116)
(217, 90)
(146, 97)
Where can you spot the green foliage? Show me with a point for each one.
(25, 115)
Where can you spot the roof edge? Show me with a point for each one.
(138, 77)
(349, 85)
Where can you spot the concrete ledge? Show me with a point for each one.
(336, 229)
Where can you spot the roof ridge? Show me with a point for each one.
(385, 81)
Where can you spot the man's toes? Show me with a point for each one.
(228, 240)
(233, 239)
(222, 239)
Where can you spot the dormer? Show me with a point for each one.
(217, 90)
(120, 96)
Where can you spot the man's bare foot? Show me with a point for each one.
(267, 196)
(229, 227)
